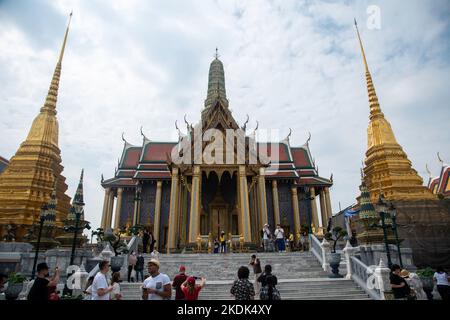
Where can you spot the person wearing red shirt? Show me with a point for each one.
(192, 290)
(178, 281)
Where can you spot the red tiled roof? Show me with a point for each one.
(266, 149)
(444, 182)
(157, 151)
(131, 157)
(314, 181)
(152, 175)
(301, 157)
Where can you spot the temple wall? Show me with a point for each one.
(305, 209)
(164, 220)
(286, 210)
(127, 208)
(148, 203)
(269, 200)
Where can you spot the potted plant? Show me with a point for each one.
(15, 285)
(335, 258)
(118, 246)
(426, 276)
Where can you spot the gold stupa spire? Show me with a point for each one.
(28, 181)
(52, 95)
(387, 168)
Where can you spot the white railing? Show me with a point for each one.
(365, 277)
(315, 247)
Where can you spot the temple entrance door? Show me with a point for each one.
(219, 221)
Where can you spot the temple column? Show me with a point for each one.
(156, 222)
(173, 211)
(328, 201)
(296, 211)
(262, 198)
(109, 210)
(276, 204)
(118, 208)
(105, 209)
(323, 209)
(315, 215)
(244, 205)
(194, 218)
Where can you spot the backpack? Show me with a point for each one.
(264, 294)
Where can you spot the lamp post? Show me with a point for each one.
(382, 209)
(75, 229)
(393, 213)
(42, 217)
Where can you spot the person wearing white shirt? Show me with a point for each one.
(279, 234)
(155, 254)
(441, 278)
(158, 286)
(100, 288)
(266, 237)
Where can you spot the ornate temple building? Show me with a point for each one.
(440, 185)
(182, 202)
(28, 181)
(3, 164)
(424, 219)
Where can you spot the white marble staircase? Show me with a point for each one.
(300, 276)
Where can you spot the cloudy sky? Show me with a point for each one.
(287, 64)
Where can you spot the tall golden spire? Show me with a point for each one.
(28, 181)
(374, 105)
(52, 95)
(387, 168)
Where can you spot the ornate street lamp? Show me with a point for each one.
(383, 211)
(393, 213)
(42, 217)
(78, 210)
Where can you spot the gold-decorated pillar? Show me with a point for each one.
(262, 198)
(173, 210)
(194, 217)
(118, 209)
(105, 209)
(296, 211)
(323, 209)
(245, 229)
(109, 211)
(157, 218)
(276, 204)
(328, 201)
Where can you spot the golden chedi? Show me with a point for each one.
(27, 183)
(387, 167)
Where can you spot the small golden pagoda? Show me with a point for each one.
(387, 167)
(27, 183)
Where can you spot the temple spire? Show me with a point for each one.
(375, 110)
(52, 95)
(216, 83)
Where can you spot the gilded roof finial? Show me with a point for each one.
(52, 95)
(428, 171)
(362, 47)
(375, 110)
(440, 159)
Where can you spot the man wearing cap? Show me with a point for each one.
(178, 281)
(157, 286)
(40, 289)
